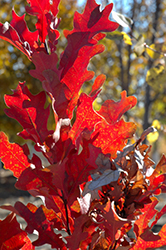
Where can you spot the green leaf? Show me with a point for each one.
(116, 35)
(139, 48)
(121, 19)
(155, 73)
(155, 54)
(156, 76)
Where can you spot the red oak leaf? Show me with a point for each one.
(113, 137)
(44, 62)
(112, 222)
(30, 112)
(160, 169)
(150, 240)
(110, 137)
(78, 170)
(40, 9)
(98, 83)
(53, 33)
(37, 220)
(48, 74)
(86, 26)
(19, 35)
(80, 234)
(86, 117)
(113, 131)
(12, 236)
(148, 212)
(77, 74)
(34, 179)
(59, 206)
(13, 156)
(113, 111)
(65, 92)
(38, 178)
(47, 182)
(158, 216)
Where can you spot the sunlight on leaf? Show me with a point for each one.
(154, 54)
(126, 38)
(139, 46)
(116, 35)
(121, 19)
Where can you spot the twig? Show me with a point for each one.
(67, 216)
(156, 51)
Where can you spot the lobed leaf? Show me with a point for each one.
(29, 111)
(13, 156)
(37, 220)
(80, 234)
(86, 117)
(19, 35)
(86, 26)
(112, 111)
(40, 9)
(12, 236)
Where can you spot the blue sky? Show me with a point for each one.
(80, 2)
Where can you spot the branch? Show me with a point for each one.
(67, 216)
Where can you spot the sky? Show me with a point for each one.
(80, 2)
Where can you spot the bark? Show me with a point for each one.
(148, 100)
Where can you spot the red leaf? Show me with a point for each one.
(113, 134)
(79, 234)
(48, 74)
(40, 9)
(19, 35)
(44, 180)
(53, 33)
(148, 212)
(113, 111)
(29, 111)
(86, 26)
(149, 240)
(37, 220)
(107, 220)
(34, 179)
(77, 74)
(110, 137)
(78, 170)
(86, 117)
(98, 83)
(44, 62)
(65, 92)
(160, 169)
(158, 215)
(113, 137)
(13, 156)
(12, 236)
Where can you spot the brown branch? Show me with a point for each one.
(67, 216)
(129, 47)
(148, 88)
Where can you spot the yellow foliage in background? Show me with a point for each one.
(152, 137)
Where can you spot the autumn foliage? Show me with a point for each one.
(95, 189)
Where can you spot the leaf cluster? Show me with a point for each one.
(95, 188)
